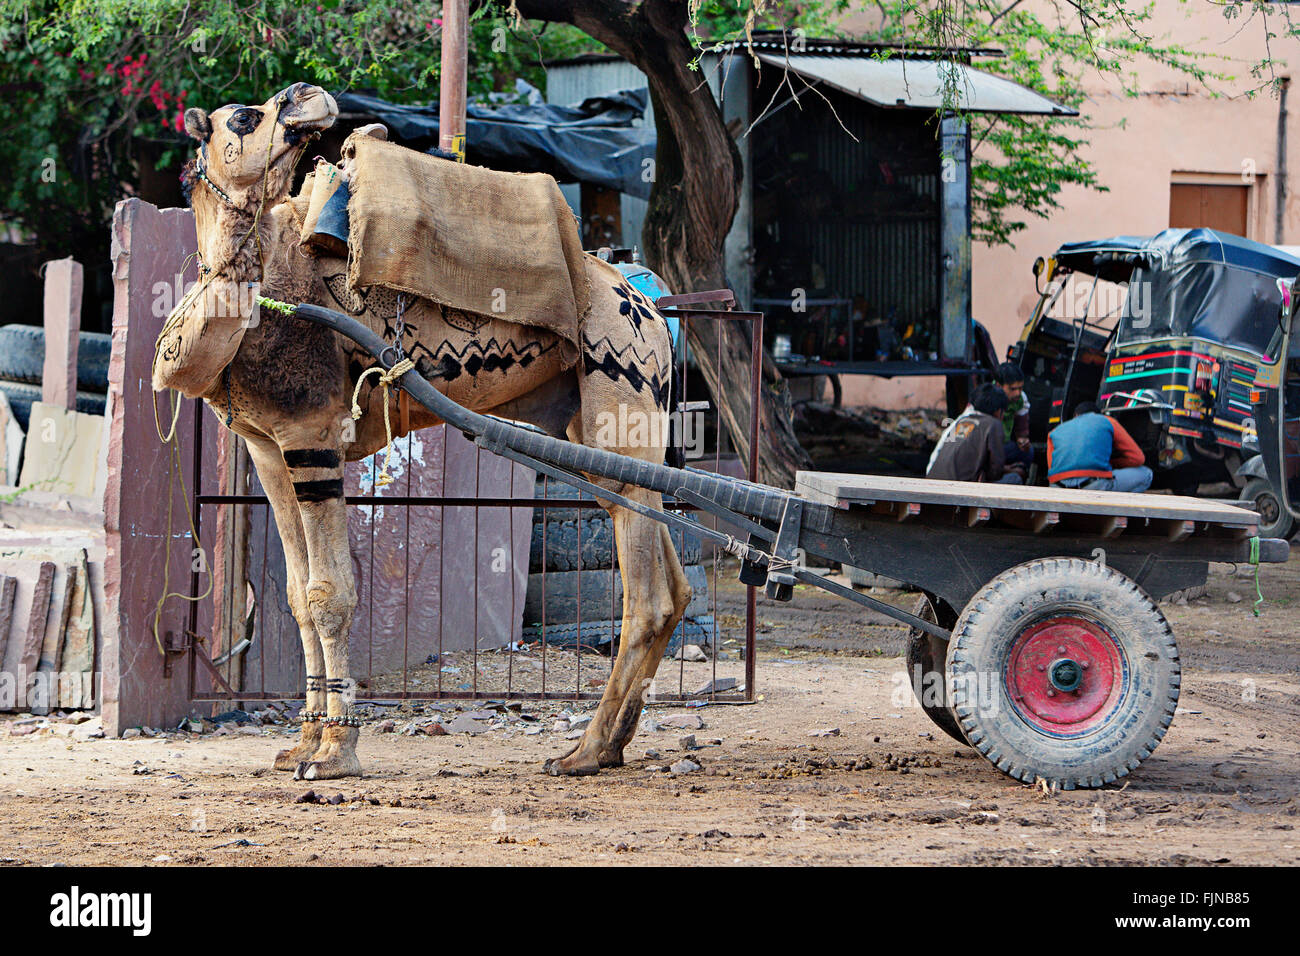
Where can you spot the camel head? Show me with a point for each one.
(239, 146)
(245, 161)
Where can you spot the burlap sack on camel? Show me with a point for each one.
(499, 244)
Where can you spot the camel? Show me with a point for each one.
(285, 385)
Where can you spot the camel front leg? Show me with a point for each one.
(276, 481)
(331, 598)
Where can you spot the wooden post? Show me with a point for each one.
(455, 59)
(147, 542)
(63, 284)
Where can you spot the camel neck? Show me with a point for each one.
(228, 240)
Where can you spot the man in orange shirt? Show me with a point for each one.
(1095, 452)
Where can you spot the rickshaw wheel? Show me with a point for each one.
(925, 668)
(1064, 671)
(1274, 520)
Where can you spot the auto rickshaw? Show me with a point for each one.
(1168, 334)
(1276, 401)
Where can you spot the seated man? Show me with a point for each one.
(1018, 450)
(971, 449)
(1095, 452)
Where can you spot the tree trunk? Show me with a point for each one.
(693, 201)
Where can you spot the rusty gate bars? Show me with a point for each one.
(265, 610)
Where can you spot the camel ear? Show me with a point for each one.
(197, 124)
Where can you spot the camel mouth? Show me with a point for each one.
(304, 122)
(309, 116)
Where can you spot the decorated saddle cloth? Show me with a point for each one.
(499, 244)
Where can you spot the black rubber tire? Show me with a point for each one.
(597, 544)
(22, 353)
(1024, 596)
(93, 354)
(561, 543)
(927, 652)
(21, 396)
(1274, 520)
(597, 536)
(602, 593)
(22, 357)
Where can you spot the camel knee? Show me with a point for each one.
(330, 609)
(300, 609)
(681, 589)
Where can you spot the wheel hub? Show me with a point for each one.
(1065, 675)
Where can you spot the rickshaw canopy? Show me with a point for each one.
(1199, 283)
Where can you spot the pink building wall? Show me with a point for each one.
(1173, 130)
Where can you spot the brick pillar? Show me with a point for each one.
(63, 284)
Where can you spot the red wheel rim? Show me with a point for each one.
(1065, 676)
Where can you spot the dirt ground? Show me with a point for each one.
(887, 789)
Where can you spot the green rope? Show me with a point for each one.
(284, 308)
(1254, 559)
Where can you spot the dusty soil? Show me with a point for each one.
(1222, 788)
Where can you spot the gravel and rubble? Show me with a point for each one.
(753, 788)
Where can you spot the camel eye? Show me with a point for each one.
(244, 121)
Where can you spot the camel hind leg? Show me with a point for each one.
(678, 588)
(655, 596)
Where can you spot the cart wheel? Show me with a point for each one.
(1274, 520)
(1063, 670)
(925, 671)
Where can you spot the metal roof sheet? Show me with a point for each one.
(917, 84)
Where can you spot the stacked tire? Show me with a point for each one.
(22, 362)
(572, 553)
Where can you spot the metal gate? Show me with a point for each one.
(416, 635)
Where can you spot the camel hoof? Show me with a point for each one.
(568, 767)
(291, 759)
(608, 760)
(285, 760)
(330, 769)
(308, 744)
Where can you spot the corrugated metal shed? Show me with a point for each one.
(844, 174)
(575, 81)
